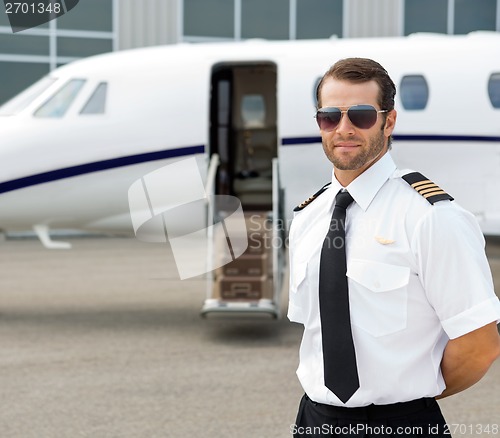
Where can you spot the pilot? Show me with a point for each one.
(388, 275)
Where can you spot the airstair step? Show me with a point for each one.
(245, 288)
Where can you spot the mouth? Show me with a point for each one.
(345, 146)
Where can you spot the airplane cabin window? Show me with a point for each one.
(21, 101)
(253, 111)
(414, 92)
(59, 103)
(97, 102)
(494, 90)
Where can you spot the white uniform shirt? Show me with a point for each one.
(417, 274)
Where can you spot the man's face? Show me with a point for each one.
(350, 148)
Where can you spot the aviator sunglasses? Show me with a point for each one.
(361, 116)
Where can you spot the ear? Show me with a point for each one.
(390, 122)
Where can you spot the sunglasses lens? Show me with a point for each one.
(362, 116)
(328, 118)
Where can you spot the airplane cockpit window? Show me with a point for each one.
(414, 92)
(58, 104)
(22, 100)
(97, 102)
(494, 90)
(253, 111)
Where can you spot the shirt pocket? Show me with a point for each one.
(378, 295)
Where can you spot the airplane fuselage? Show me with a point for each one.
(68, 158)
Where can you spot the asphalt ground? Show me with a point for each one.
(104, 341)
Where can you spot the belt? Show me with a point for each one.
(374, 412)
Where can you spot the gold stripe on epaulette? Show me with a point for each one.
(311, 198)
(307, 202)
(415, 185)
(440, 192)
(431, 189)
(425, 186)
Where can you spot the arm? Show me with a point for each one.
(467, 358)
(455, 274)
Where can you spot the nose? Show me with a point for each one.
(345, 126)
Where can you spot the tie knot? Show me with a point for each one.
(343, 199)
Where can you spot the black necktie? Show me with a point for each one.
(339, 357)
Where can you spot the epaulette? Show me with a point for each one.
(312, 198)
(430, 191)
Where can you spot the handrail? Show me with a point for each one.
(212, 172)
(276, 237)
(210, 194)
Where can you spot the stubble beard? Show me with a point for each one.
(363, 156)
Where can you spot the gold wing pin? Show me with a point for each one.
(383, 240)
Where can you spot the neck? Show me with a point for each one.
(346, 177)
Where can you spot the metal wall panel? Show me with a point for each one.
(370, 18)
(148, 22)
(151, 22)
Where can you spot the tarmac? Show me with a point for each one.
(105, 341)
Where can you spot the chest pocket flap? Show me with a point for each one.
(378, 296)
(378, 277)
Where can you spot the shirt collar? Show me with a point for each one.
(364, 188)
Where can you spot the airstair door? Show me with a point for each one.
(243, 139)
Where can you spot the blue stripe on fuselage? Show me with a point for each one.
(403, 137)
(114, 163)
(97, 166)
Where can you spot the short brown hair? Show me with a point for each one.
(358, 70)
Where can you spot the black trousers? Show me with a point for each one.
(415, 419)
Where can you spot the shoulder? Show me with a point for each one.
(431, 209)
(305, 203)
(415, 193)
(426, 188)
(413, 198)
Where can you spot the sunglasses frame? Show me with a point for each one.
(325, 109)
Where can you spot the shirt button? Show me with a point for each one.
(376, 284)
